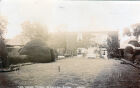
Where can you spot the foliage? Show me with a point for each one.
(18, 59)
(3, 25)
(3, 50)
(37, 51)
(113, 45)
(57, 40)
(34, 30)
(136, 29)
(126, 31)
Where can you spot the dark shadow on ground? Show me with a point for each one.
(5, 82)
(125, 76)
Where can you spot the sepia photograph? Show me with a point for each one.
(69, 44)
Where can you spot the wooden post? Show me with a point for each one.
(58, 68)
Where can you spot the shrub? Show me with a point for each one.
(37, 51)
(18, 59)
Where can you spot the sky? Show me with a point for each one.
(70, 16)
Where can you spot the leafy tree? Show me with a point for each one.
(113, 44)
(34, 30)
(3, 51)
(126, 31)
(59, 38)
(136, 29)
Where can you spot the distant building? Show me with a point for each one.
(70, 42)
(79, 36)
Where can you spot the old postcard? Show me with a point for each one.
(69, 44)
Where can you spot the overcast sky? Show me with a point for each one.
(71, 15)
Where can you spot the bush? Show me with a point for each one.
(14, 57)
(18, 59)
(37, 51)
(41, 57)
